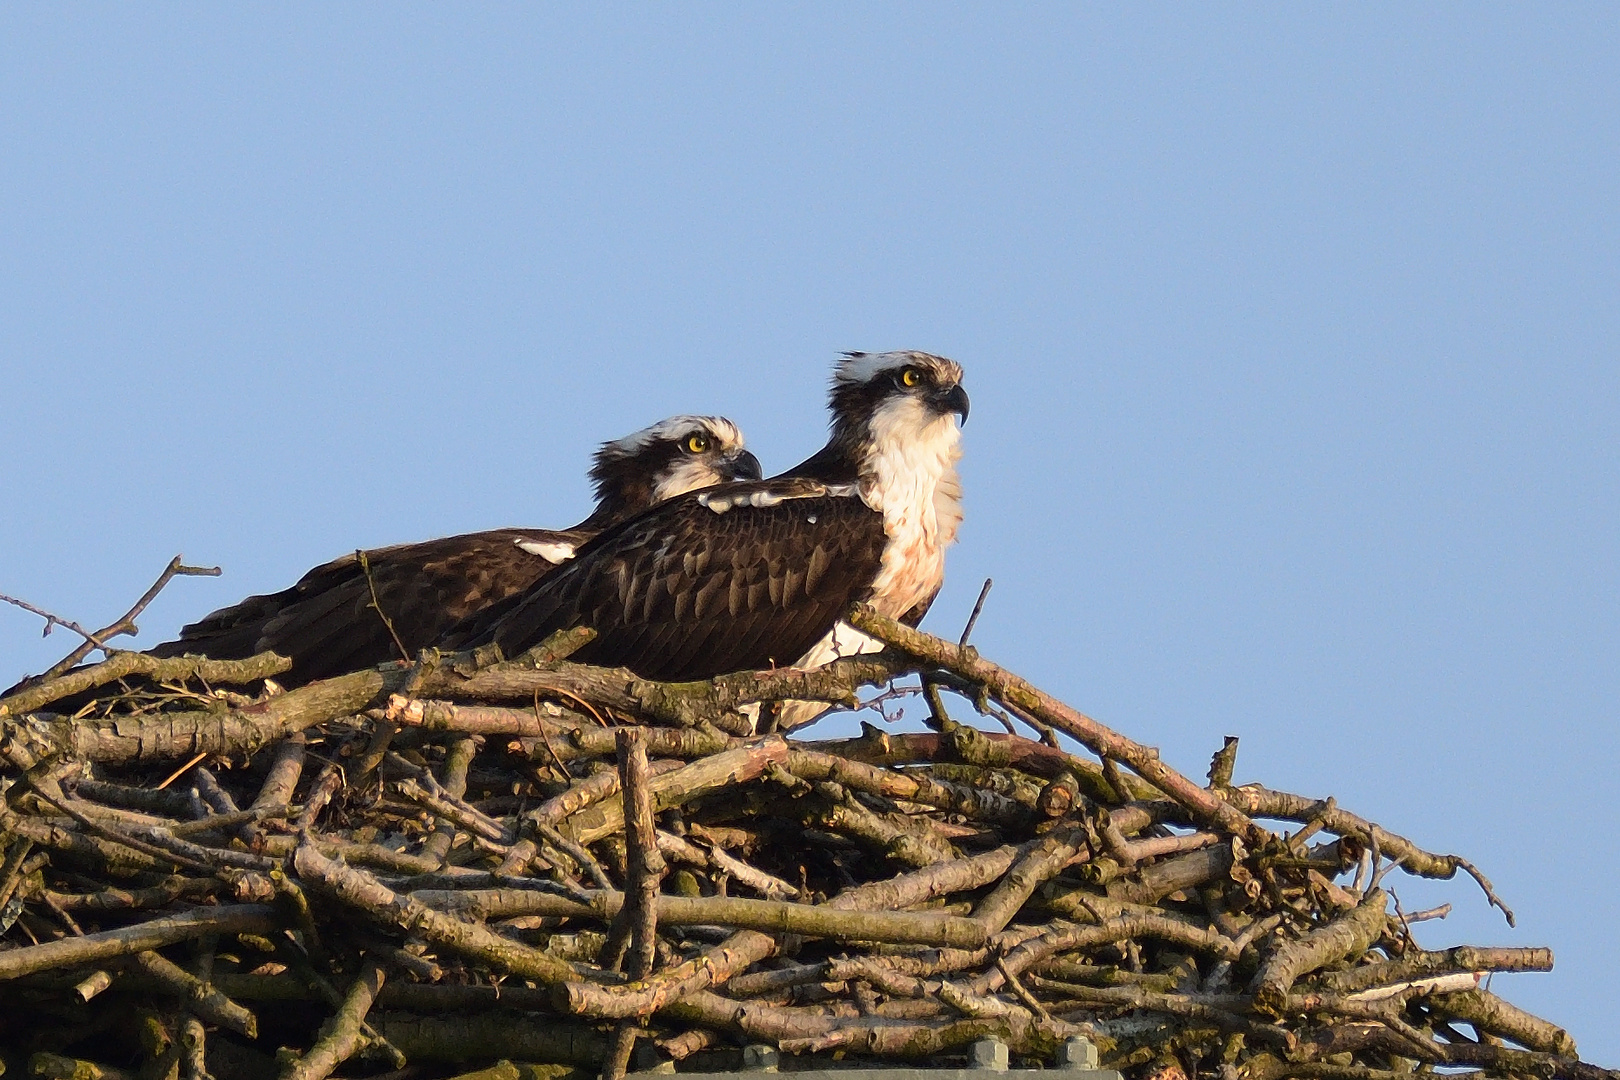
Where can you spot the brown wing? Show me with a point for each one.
(327, 624)
(683, 592)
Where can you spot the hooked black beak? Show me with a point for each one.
(954, 400)
(744, 466)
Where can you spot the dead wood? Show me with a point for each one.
(199, 997)
(964, 660)
(464, 860)
(810, 920)
(142, 937)
(125, 624)
(1341, 939)
(121, 665)
(342, 1035)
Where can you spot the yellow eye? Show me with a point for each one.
(697, 444)
(910, 377)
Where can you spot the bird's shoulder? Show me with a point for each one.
(756, 521)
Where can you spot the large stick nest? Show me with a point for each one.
(445, 865)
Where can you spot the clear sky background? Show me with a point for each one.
(1293, 337)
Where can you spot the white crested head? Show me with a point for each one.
(726, 436)
(666, 459)
(864, 368)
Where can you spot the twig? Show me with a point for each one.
(38, 692)
(1101, 740)
(376, 605)
(576, 851)
(973, 618)
(108, 832)
(126, 623)
(181, 771)
(201, 998)
(644, 862)
(52, 621)
(457, 760)
(1414, 860)
(342, 1035)
(365, 894)
(545, 737)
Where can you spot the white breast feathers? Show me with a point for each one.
(909, 476)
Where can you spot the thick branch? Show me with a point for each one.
(644, 864)
(121, 665)
(142, 937)
(772, 916)
(1444, 961)
(1204, 804)
(181, 735)
(1489, 1013)
(681, 704)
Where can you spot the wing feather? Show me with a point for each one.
(327, 624)
(713, 592)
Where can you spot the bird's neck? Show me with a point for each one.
(615, 504)
(907, 471)
(902, 461)
(836, 464)
(621, 498)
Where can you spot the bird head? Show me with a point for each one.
(672, 457)
(896, 405)
(916, 384)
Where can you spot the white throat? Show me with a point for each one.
(909, 476)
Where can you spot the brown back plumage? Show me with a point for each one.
(326, 622)
(673, 596)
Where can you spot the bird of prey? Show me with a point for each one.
(369, 607)
(758, 574)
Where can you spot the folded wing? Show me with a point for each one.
(329, 625)
(749, 576)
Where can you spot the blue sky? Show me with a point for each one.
(1293, 335)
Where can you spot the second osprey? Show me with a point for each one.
(368, 607)
(758, 574)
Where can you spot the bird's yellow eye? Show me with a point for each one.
(697, 444)
(910, 377)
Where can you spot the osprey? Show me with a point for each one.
(366, 608)
(758, 574)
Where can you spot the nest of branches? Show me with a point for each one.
(534, 867)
